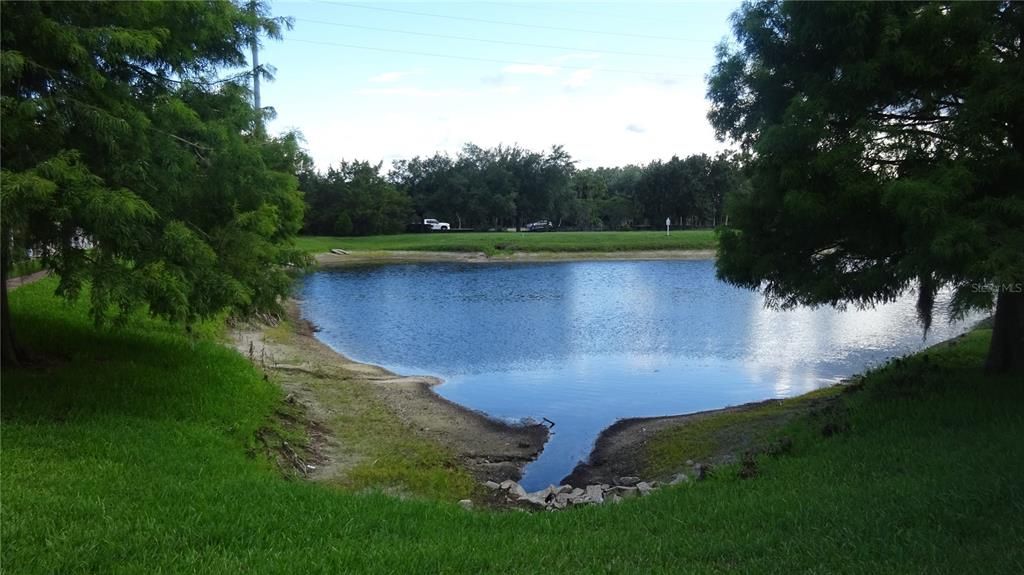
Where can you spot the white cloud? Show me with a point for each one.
(598, 127)
(531, 69)
(416, 92)
(577, 56)
(578, 79)
(391, 77)
(387, 77)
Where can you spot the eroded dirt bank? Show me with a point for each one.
(656, 448)
(335, 392)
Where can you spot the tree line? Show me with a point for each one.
(509, 187)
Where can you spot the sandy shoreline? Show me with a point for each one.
(322, 381)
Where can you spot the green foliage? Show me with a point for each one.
(130, 455)
(129, 164)
(726, 432)
(690, 191)
(353, 199)
(488, 188)
(885, 143)
(25, 267)
(343, 225)
(509, 187)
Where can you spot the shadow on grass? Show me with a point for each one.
(144, 369)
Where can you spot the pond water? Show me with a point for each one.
(584, 344)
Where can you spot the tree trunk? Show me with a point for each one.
(9, 355)
(1006, 352)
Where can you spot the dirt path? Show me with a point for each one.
(340, 395)
(15, 283)
(328, 259)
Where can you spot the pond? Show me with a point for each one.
(584, 344)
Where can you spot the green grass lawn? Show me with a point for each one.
(131, 451)
(25, 268)
(507, 242)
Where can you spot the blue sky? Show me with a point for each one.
(615, 83)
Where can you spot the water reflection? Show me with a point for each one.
(587, 343)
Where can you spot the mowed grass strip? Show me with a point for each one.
(25, 268)
(127, 451)
(493, 243)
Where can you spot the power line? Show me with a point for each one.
(505, 23)
(491, 60)
(504, 42)
(561, 8)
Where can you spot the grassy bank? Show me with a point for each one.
(25, 268)
(132, 451)
(509, 242)
(373, 448)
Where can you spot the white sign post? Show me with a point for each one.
(668, 224)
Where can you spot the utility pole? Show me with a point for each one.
(255, 45)
(262, 23)
(253, 8)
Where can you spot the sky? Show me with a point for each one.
(614, 83)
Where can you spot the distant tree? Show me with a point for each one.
(478, 189)
(724, 179)
(621, 208)
(354, 199)
(441, 187)
(512, 186)
(487, 188)
(548, 185)
(885, 144)
(590, 192)
(132, 167)
(532, 199)
(666, 189)
(692, 202)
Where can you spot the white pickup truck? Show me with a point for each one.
(436, 225)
